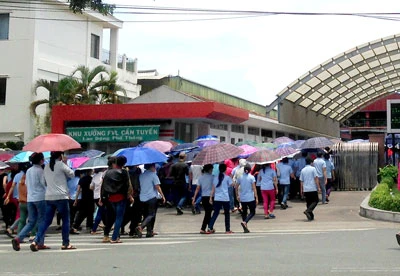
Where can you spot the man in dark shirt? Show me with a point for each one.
(179, 171)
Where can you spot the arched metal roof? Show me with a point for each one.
(344, 84)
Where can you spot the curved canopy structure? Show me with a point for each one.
(344, 84)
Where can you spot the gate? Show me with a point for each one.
(356, 165)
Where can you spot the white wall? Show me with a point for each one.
(45, 49)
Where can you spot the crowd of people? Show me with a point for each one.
(120, 196)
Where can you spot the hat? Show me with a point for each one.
(242, 162)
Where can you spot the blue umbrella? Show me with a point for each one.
(141, 155)
(207, 137)
(23, 157)
(184, 147)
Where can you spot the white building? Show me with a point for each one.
(45, 40)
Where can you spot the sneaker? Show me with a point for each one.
(245, 229)
(179, 211)
(149, 235)
(138, 231)
(308, 215)
(283, 206)
(15, 244)
(271, 216)
(106, 239)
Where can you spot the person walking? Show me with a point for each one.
(150, 191)
(284, 173)
(320, 166)
(269, 189)
(95, 185)
(179, 171)
(309, 187)
(36, 189)
(204, 187)
(247, 196)
(115, 191)
(220, 193)
(56, 173)
(86, 204)
(330, 174)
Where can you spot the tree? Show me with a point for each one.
(78, 6)
(109, 89)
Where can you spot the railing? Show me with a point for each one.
(364, 123)
(130, 62)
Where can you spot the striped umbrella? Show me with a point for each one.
(286, 151)
(247, 150)
(283, 139)
(316, 143)
(263, 157)
(161, 146)
(217, 153)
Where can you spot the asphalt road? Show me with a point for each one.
(338, 242)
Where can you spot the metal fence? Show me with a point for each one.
(356, 165)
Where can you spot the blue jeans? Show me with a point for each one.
(218, 205)
(36, 213)
(115, 213)
(323, 189)
(285, 191)
(198, 199)
(231, 197)
(62, 206)
(99, 216)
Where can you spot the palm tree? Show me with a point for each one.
(108, 92)
(87, 87)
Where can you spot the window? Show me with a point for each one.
(95, 46)
(232, 141)
(240, 140)
(279, 134)
(253, 131)
(222, 139)
(220, 126)
(238, 129)
(4, 25)
(266, 133)
(3, 84)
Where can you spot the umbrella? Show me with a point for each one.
(192, 154)
(52, 142)
(141, 155)
(75, 162)
(286, 151)
(94, 163)
(206, 143)
(4, 156)
(316, 143)
(207, 137)
(283, 139)
(3, 165)
(298, 143)
(287, 145)
(161, 146)
(263, 157)
(247, 150)
(184, 147)
(265, 146)
(247, 142)
(23, 157)
(217, 153)
(92, 153)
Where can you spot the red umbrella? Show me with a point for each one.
(263, 157)
(217, 153)
(5, 156)
(52, 142)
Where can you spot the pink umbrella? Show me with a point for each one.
(263, 157)
(75, 162)
(285, 151)
(283, 139)
(162, 146)
(217, 153)
(52, 142)
(247, 150)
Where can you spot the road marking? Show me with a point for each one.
(365, 269)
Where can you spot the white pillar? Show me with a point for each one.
(114, 48)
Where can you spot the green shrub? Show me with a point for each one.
(388, 171)
(386, 196)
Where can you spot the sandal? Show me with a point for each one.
(42, 247)
(68, 247)
(15, 244)
(116, 241)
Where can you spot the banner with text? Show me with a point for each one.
(114, 134)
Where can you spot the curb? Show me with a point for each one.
(377, 214)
